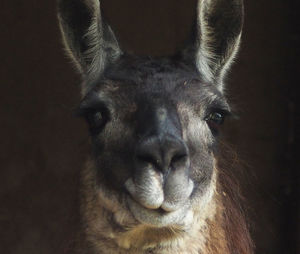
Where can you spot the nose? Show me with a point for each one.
(162, 152)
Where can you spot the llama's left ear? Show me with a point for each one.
(89, 40)
(216, 38)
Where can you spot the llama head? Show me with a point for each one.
(154, 123)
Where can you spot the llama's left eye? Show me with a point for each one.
(214, 120)
(215, 117)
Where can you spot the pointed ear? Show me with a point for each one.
(216, 38)
(88, 39)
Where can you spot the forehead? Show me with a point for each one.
(163, 81)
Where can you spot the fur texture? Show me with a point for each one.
(156, 182)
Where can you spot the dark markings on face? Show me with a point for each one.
(139, 97)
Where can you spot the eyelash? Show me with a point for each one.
(96, 121)
(95, 117)
(215, 118)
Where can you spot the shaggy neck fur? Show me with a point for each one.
(108, 230)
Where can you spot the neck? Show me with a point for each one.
(205, 236)
(220, 229)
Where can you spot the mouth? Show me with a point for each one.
(159, 217)
(158, 205)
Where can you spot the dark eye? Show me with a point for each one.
(215, 119)
(96, 121)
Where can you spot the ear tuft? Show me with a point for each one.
(88, 39)
(216, 38)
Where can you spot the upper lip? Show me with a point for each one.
(157, 217)
(154, 197)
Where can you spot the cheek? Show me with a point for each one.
(115, 158)
(196, 132)
(199, 140)
(202, 167)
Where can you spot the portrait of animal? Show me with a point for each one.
(155, 181)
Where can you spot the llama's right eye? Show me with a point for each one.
(96, 121)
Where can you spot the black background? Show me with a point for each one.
(43, 146)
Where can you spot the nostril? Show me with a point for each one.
(148, 158)
(178, 158)
(161, 153)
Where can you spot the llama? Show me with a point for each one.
(155, 181)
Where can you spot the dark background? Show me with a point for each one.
(43, 146)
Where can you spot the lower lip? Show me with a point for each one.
(157, 217)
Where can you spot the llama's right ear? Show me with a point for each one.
(88, 39)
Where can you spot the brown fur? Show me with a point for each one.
(226, 233)
(233, 218)
(159, 187)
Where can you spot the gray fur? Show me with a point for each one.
(217, 38)
(93, 46)
(151, 185)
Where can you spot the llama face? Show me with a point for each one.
(153, 123)
(154, 127)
